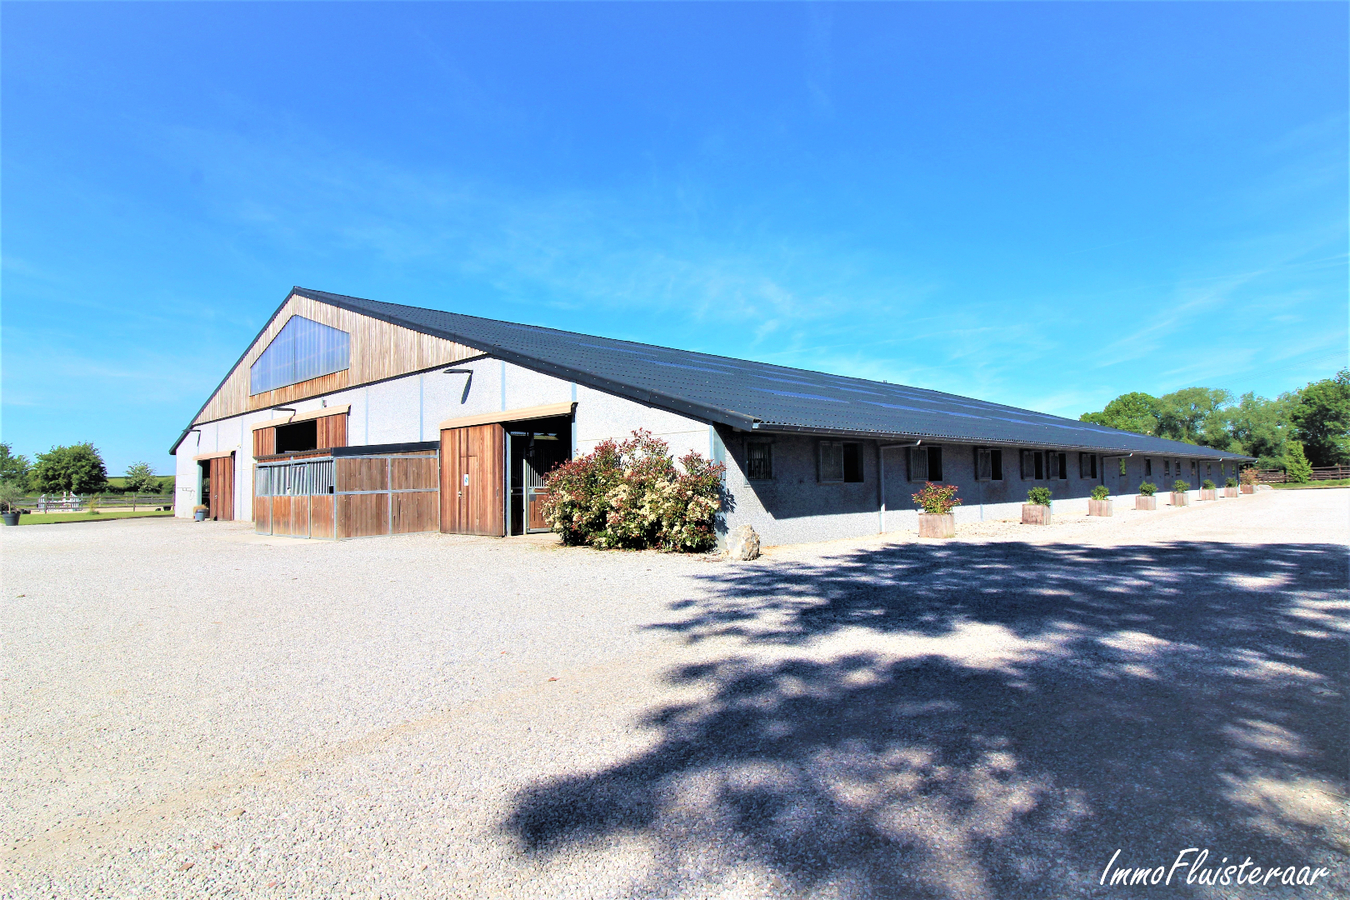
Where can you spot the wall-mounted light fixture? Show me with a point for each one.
(464, 397)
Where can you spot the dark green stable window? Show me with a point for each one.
(840, 461)
(759, 461)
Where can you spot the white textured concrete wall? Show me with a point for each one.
(412, 407)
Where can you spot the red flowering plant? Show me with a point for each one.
(575, 506)
(632, 495)
(937, 499)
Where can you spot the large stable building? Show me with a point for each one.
(350, 418)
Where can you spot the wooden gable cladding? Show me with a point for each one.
(379, 350)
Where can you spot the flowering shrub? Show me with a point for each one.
(1180, 487)
(1148, 489)
(632, 495)
(937, 499)
(1230, 482)
(1249, 476)
(1100, 492)
(1207, 484)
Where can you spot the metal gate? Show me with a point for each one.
(536, 491)
(294, 498)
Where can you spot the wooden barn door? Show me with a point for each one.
(221, 499)
(472, 475)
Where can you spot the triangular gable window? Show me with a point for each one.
(302, 350)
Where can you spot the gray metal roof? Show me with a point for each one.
(761, 397)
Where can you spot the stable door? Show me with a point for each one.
(473, 475)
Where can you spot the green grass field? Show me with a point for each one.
(1334, 482)
(62, 518)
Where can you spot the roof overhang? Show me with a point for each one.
(321, 413)
(512, 415)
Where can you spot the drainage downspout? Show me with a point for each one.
(881, 479)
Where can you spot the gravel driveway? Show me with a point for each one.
(192, 710)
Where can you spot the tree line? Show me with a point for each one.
(78, 468)
(1309, 426)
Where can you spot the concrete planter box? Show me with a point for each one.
(1142, 502)
(1180, 499)
(1099, 507)
(1230, 492)
(1209, 493)
(1249, 489)
(1035, 514)
(936, 526)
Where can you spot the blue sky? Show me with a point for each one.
(1044, 205)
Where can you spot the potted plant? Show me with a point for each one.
(1146, 500)
(1179, 495)
(1230, 487)
(199, 512)
(1208, 490)
(1099, 504)
(1249, 479)
(1036, 511)
(10, 495)
(937, 502)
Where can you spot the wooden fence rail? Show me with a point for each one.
(105, 501)
(1319, 473)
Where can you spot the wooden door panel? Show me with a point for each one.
(300, 516)
(281, 515)
(221, 498)
(472, 475)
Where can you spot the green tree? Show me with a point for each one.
(1296, 464)
(1260, 427)
(1135, 411)
(1194, 414)
(141, 479)
(77, 468)
(1321, 419)
(14, 469)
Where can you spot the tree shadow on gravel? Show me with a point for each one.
(991, 720)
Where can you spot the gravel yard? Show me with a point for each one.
(193, 710)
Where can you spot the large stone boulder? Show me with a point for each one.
(743, 544)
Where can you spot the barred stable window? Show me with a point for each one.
(925, 463)
(303, 349)
(1148, 467)
(1059, 465)
(758, 461)
(840, 461)
(1124, 470)
(988, 464)
(918, 464)
(1087, 465)
(1033, 466)
(1167, 468)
